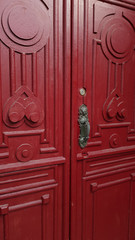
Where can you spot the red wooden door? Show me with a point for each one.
(35, 105)
(34, 119)
(103, 172)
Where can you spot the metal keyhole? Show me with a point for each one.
(82, 91)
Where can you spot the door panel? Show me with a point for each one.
(109, 205)
(105, 66)
(35, 119)
(103, 58)
(31, 204)
(32, 81)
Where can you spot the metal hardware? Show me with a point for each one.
(84, 126)
(82, 91)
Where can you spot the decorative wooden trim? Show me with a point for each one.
(107, 153)
(95, 186)
(4, 210)
(43, 162)
(44, 200)
(133, 176)
(106, 174)
(107, 169)
(130, 4)
(25, 205)
(27, 191)
(4, 155)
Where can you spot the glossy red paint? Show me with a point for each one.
(102, 174)
(34, 119)
(50, 188)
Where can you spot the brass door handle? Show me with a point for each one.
(84, 125)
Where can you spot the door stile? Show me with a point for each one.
(67, 109)
(77, 101)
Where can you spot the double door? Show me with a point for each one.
(67, 120)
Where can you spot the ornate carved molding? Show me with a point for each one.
(25, 27)
(115, 107)
(122, 3)
(22, 107)
(24, 152)
(117, 39)
(114, 140)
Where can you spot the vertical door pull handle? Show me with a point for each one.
(84, 126)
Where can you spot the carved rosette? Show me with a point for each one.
(24, 152)
(117, 39)
(25, 25)
(115, 107)
(22, 107)
(114, 140)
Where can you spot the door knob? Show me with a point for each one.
(84, 126)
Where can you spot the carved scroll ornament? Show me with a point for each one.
(22, 107)
(115, 107)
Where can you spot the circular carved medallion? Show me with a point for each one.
(24, 152)
(21, 21)
(114, 140)
(25, 25)
(117, 37)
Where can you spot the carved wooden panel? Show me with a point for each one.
(105, 37)
(33, 84)
(108, 205)
(22, 25)
(32, 208)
